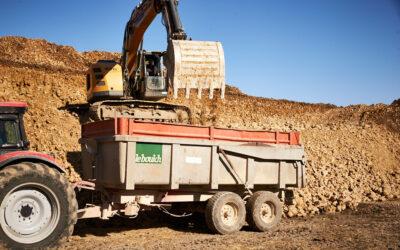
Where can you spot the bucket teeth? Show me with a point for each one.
(195, 65)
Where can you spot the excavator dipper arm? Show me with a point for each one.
(141, 18)
(190, 64)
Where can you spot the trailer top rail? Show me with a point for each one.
(125, 126)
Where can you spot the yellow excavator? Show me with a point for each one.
(133, 87)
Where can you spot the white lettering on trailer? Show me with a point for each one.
(148, 159)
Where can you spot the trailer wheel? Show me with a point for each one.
(37, 206)
(225, 213)
(264, 211)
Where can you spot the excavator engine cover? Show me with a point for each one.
(104, 81)
(195, 65)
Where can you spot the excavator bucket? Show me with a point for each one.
(195, 65)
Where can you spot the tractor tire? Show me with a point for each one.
(225, 213)
(264, 211)
(38, 208)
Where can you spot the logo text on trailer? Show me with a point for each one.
(148, 153)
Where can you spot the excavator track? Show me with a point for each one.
(140, 110)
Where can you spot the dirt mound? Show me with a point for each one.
(38, 53)
(94, 56)
(353, 152)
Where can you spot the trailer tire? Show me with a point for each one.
(264, 211)
(225, 213)
(38, 208)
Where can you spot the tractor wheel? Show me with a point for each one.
(225, 213)
(264, 211)
(38, 208)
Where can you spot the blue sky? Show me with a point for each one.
(339, 51)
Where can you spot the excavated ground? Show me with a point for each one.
(373, 225)
(353, 152)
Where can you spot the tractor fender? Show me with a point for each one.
(21, 156)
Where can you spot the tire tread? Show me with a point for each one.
(251, 211)
(211, 221)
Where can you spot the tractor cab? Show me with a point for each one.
(12, 131)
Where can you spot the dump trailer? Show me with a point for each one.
(225, 173)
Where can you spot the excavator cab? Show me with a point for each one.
(150, 81)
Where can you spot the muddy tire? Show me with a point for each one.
(225, 213)
(264, 211)
(37, 207)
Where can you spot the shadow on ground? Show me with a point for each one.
(146, 220)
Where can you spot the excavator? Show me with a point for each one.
(133, 87)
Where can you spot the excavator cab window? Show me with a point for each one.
(153, 65)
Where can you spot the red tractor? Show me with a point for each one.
(38, 207)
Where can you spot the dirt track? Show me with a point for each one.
(373, 225)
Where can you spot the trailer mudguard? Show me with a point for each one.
(20, 156)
